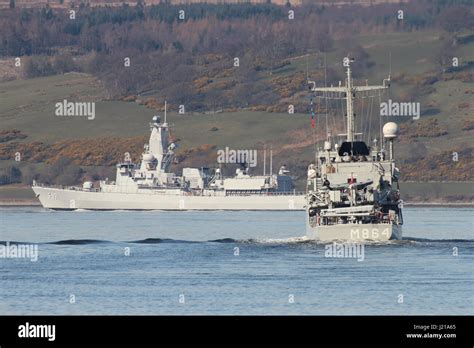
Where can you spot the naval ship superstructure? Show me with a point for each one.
(353, 190)
(152, 186)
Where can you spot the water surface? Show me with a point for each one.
(230, 263)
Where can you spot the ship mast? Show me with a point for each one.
(349, 92)
(350, 104)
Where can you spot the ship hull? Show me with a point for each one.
(355, 232)
(64, 199)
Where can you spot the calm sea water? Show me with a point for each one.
(186, 263)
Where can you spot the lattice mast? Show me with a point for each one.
(350, 92)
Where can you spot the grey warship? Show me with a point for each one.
(353, 190)
(151, 185)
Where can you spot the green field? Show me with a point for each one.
(15, 192)
(410, 53)
(29, 105)
(437, 190)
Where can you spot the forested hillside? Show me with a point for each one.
(232, 70)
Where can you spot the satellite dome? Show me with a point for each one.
(148, 157)
(156, 119)
(390, 130)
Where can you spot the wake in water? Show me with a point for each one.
(268, 241)
(291, 240)
(79, 242)
(161, 240)
(437, 240)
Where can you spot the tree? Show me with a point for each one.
(70, 175)
(9, 175)
(63, 63)
(456, 19)
(38, 66)
(362, 60)
(442, 58)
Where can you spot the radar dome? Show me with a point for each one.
(148, 157)
(390, 130)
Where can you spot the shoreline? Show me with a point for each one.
(439, 204)
(36, 203)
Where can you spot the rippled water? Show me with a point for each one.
(190, 257)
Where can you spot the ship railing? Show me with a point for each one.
(64, 187)
(383, 218)
(222, 193)
(262, 193)
(50, 186)
(331, 223)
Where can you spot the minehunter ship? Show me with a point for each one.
(151, 186)
(353, 190)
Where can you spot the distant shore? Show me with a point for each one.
(36, 203)
(430, 194)
(439, 204)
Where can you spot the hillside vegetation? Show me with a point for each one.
(191, 63)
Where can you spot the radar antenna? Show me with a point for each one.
(349, 92)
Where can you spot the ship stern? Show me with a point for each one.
(355, 232)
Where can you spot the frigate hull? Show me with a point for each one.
(64, 199)
(355, 232)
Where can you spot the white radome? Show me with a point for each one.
(390, 130)
(148, 157)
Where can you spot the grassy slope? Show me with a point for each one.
(16, 192)
(433, 192)
(28, 105)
